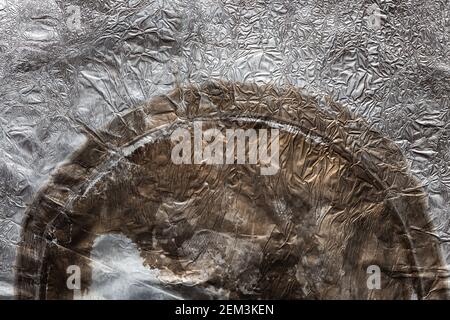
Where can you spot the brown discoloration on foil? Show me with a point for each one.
(342, 200)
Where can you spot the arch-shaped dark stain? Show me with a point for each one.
(342, 200)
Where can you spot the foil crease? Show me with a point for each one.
(71, 70)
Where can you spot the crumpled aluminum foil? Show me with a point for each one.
(69, 68)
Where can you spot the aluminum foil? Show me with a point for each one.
(363, 84)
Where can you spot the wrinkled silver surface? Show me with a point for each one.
(57, 78)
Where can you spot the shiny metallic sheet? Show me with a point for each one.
(69, 68)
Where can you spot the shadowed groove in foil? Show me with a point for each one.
(342, 200)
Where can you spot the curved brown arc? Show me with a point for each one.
(338, 204)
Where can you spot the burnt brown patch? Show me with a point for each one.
(342, 200)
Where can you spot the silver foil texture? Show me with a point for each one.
(224, 149)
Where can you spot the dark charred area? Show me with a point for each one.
(342, 200)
